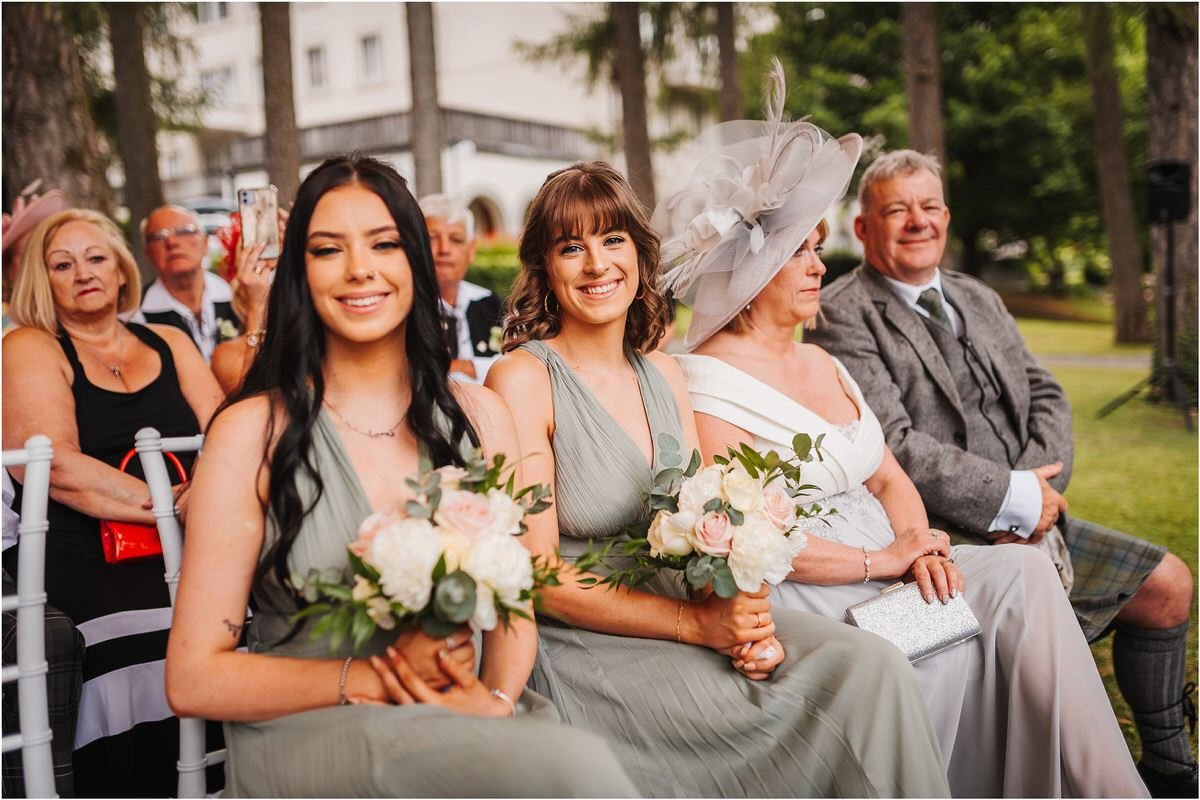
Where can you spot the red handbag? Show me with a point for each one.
(127, 541)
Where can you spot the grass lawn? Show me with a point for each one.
(1135, 470)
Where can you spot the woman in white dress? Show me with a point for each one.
(1020, 710)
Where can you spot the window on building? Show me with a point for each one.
(316, 67)
(370, 58)
(212, 12)
(219, 85)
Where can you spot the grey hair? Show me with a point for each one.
(450, 209)
(195, 217)
(890, 165)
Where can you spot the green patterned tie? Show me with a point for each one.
(931, 301)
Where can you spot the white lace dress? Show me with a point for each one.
(1020, 710)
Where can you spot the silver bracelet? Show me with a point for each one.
(512, 707)
(867, 565)
(342, 699)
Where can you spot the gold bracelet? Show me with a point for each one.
(678, 619)
(867, 565)
(342, 699)
(255, 338)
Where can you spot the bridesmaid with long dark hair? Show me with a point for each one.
(348, 392)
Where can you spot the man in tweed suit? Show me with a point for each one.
(985, 434)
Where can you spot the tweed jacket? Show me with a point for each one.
(888, 349)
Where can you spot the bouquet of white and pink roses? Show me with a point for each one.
(731, 525)
(450, 556)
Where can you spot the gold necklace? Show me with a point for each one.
(361, 432)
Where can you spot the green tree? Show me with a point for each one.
(137, 125)
(1019, 165)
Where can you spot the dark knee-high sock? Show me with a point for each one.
(1150, 669)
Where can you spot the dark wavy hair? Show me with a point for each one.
(588, 197)
(288, 365)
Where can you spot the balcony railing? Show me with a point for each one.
(394, 132)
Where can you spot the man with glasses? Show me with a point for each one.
(185, 294)
(985, 433)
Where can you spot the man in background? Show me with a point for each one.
(472, 316)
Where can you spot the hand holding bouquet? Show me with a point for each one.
(731, 525)
(450, 556)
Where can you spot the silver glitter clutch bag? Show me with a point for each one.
(900, 615)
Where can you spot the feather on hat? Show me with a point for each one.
(757, 192)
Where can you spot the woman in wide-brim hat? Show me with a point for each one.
(1020, 709)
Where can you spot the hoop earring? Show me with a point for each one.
(641, 295)
(546, 303)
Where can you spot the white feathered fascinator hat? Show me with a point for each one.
(757, 192)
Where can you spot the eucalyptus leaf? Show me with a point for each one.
(454, 597)
(437, 628)
(723, 583)
(693, 465)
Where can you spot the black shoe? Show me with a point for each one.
(1179, 784)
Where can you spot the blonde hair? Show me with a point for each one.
(588, 197)
(741, 321)
(32, 300)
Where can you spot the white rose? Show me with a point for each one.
(506, 514)
(669, 533)
(502, 564)
(405, 554)
(463, 512)
(484, 618)
(760, 553)
(744, 493)
(697, 490)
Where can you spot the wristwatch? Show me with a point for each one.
(255, 338)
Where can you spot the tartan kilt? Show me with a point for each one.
(1110, 567)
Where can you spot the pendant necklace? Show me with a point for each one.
(361, 432)
(115, 370)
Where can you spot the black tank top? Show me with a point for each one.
(107, 422)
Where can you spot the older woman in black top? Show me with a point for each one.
(75, 372)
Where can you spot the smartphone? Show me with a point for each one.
(260, 219)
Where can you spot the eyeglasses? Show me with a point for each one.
(161, 234)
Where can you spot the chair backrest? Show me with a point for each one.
(30, 604)
(193, 760)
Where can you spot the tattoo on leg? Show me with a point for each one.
(234, 630)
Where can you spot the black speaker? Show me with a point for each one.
(1168, 194)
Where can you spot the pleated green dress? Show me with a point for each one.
(842, 716)
(392, 751)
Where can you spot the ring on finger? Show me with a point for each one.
(258, 268)
(450, 643)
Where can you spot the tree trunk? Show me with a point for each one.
(426, 119)
(923, 79)
(49, 132)
(137, 127)
(1130, 323)
(732, 105)
(1171, 134)
(279, 107)
(630, 68)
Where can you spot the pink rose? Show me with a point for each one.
(467, 513)
(779, 507)
(370, 528)
(713, 534)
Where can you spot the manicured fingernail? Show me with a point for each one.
(444, 653)
(929, 598)
(954, 592)
(945, 599)
(391, 651)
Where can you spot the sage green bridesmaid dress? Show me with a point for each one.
(392, 751)
(842, 716)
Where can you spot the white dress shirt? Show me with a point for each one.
(205, 330)
(468, 293)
